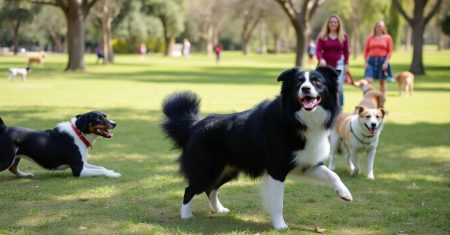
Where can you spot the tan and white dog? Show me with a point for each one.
(405, 82)
(355, 133)
(40, 58)
(372, 98)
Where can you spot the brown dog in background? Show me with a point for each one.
(405, 82)
(37, 59)
(373, 99)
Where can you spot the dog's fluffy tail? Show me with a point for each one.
(2, 126)
(181, 113)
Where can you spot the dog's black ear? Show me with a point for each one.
(288, 74)
(328, 72)
(82, 122)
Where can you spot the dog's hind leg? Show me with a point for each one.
(15, 170)
(186, 207)
(7, 154)
(212, 194)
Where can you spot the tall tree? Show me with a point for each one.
(172, 16)
(418, 22)
(75, 12)
(16, 13)
(207, 17)
(252, 13)
(105, 11)
(300, 14)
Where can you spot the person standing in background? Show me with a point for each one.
(377, 53)
(218, 50)
(311, 49)
(333, 50)
(186, 47)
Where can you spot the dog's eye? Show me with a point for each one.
(368, 116)
(378, 116)
(316, 81)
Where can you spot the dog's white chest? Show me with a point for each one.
(317, 148)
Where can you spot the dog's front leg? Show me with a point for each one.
(273, 191)
(87, 171)
(322, 173)
(370, 160)
(87, 165)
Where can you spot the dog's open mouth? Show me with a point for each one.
(309, 102)
(103, 132)
(372, 130)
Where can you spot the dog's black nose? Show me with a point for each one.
(373, 125)
(113, 124)
(306, 89)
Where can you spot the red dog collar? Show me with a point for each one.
(81, 136)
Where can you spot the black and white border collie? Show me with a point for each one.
(269, 140)
(58, 149)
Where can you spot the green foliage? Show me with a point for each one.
(18, 11)
(134, 26)
(394, 25)
(445, 22)
(170, 12)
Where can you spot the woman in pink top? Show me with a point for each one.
(377, 53)
(332, 49)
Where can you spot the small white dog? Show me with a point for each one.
(13, 72)
(356, 133)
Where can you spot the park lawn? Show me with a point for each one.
(410, 193)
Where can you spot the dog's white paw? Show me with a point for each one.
(278, 223)
(281, 226)
(113, 174)
(222, 210)
(344, 193)
(185, 211)
(371, 176)
(25, 175)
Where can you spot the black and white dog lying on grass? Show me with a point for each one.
(269, 140)
(66, 146)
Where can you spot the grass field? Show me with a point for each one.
(410, 195)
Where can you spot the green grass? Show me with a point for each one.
(410, 193)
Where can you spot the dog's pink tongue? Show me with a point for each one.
(310, 103)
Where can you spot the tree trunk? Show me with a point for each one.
(75, 40)
(301, 37)
(105, 43)
(276, 43)
(55, 38)
(109, 38)
(16, 37)
(263, 38)
(417, 67)
(246, 45)
(408, 38)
